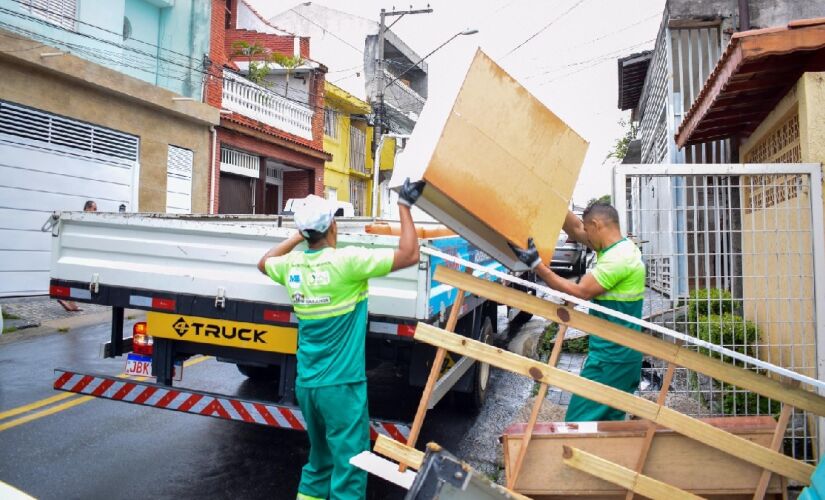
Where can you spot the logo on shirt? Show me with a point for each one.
(294, 279)
(318, 278)
(299, 299)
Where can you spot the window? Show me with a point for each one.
(331, 123)
(357, 196)
(59, 12)
(179, 180)
(358, 150)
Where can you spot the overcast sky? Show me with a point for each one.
(570, 65)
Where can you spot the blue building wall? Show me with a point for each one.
(162, 42)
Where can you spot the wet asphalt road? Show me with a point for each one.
(104, 449)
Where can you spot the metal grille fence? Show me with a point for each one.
(744, 246)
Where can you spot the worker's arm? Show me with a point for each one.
(281, 248)
(574, 227)
(586, 289)
(407, 253)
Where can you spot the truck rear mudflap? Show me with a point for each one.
(145, 393)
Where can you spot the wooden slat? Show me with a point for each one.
(667, 351)
(432, 378)
(622, 476)
(687, 426)
(650, 433)
(776, 442)
(399, 452)
(534, 413)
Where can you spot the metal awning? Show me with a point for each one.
(757, 69)
(632, 74)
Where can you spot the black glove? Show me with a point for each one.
(529, 256)
(410, 191)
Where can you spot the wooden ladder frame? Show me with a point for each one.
(768, 458)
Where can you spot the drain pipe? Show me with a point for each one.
(212, 180)
(744, 15)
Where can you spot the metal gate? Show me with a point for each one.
(745, 256)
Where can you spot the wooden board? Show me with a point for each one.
(787, 393)
(673, 458)
(399, 452)
(482, 137)
(622, 476)
(685, 425)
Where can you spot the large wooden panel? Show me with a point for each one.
(673, 459)
(499, 165)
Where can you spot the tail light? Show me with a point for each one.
(141, 341)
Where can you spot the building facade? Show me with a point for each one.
(349, 176)
(269, 145)
(659, 86)
(90, 108)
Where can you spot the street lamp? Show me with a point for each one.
(460, 33)
(380, 115)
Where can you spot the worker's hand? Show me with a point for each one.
(529, 256)
(410, 191)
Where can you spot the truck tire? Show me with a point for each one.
(472, 401)
(259, 373)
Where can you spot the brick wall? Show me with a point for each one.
(275, 43)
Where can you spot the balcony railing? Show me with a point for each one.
(253, 101)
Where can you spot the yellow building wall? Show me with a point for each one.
(337, 173)
(777, 264)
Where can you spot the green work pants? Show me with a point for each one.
(338, 425)
(622, 376)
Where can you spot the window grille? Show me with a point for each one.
(331, 123)
(59, 12)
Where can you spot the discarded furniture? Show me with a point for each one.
(673, 458)
(499, 165)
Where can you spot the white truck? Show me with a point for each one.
(196, 277)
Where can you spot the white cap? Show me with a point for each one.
(314, 214)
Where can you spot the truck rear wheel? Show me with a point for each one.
(474, 400)
(260, 373)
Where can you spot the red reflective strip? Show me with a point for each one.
(190, 402)
(405, 330)
(293, 422)
(59, 291)
(165, 400)
(394, 432)
(146, 394)
(241, 410)
(103, 387)
(86, 380)
(126, 389)
(166, 304)
(58, 384)
(279, 316)
(216, 407)
(373, 434)
(265, 413)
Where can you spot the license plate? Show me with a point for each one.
(141, 366)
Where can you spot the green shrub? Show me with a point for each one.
(704, 301)
(727, 330)
(735, 402)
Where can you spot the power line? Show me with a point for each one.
(328, 31)
(33, 5)
(599, 57)
(593, 63)
(543, 28)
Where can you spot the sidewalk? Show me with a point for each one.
(30, 312)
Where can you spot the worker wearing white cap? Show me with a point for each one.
(328, 289)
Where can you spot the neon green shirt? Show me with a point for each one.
(621, 272)
(328, 291)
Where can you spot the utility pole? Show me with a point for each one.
(379, 111)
